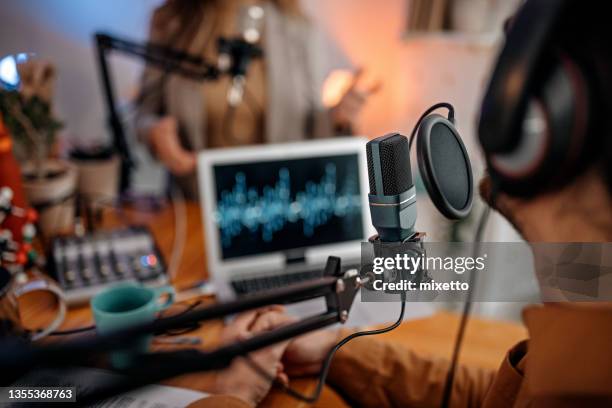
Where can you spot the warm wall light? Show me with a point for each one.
(336, 83)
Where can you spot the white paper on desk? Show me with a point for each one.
(155, 396)
(86, 379)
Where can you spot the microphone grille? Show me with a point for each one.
(371, 178)
(394, 159)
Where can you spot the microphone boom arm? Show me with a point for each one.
(168, 60)
(339, 291)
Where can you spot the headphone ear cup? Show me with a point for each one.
(553, 133)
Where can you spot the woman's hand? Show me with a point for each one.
(164, 140)
(239, 379)
(344, 114)
(305, 354)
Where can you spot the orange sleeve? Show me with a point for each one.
(225, 401)
(372, 373)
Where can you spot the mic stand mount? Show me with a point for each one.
(234, 58)
(411, 246)
(235, 55)
(338, 289)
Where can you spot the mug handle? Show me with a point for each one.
(164, 290)
(44, 284)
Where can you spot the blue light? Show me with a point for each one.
(9, 77)
(9, 74)
(22, 57)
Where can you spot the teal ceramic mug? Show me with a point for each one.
(128, 305)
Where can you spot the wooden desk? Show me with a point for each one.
(485, 343)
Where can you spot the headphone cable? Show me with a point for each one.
(467, 308)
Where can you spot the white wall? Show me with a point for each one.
(61, 31)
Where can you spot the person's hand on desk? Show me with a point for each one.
(164, 141)
(240, 380)
(305, 354)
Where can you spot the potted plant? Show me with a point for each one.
(49, 183)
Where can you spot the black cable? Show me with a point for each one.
(184, 330)
(72, 331)
(326, 363)
(467, 307)
(451, 117)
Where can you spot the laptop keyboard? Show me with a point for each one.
(263, 283)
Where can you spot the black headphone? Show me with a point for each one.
(544, 114)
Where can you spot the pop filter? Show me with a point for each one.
(445, 167)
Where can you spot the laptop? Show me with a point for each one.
(272, 214)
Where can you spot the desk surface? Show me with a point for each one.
(485, 343)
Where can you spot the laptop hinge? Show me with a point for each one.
(295, 256)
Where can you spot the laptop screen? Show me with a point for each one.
(280, 205)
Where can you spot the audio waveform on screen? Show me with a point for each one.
(244, 208)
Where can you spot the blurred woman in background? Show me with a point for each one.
(282, 96)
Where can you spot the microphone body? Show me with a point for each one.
(392, 197)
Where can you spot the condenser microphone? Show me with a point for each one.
(392, 195)
(444, 168)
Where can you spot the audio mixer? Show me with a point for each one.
(83, 265)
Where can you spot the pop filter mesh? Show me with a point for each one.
(449, 166)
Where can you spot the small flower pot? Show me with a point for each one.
(98, 179)
(52, 195)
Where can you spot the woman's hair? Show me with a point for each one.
(188, 15)
(186, 10)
